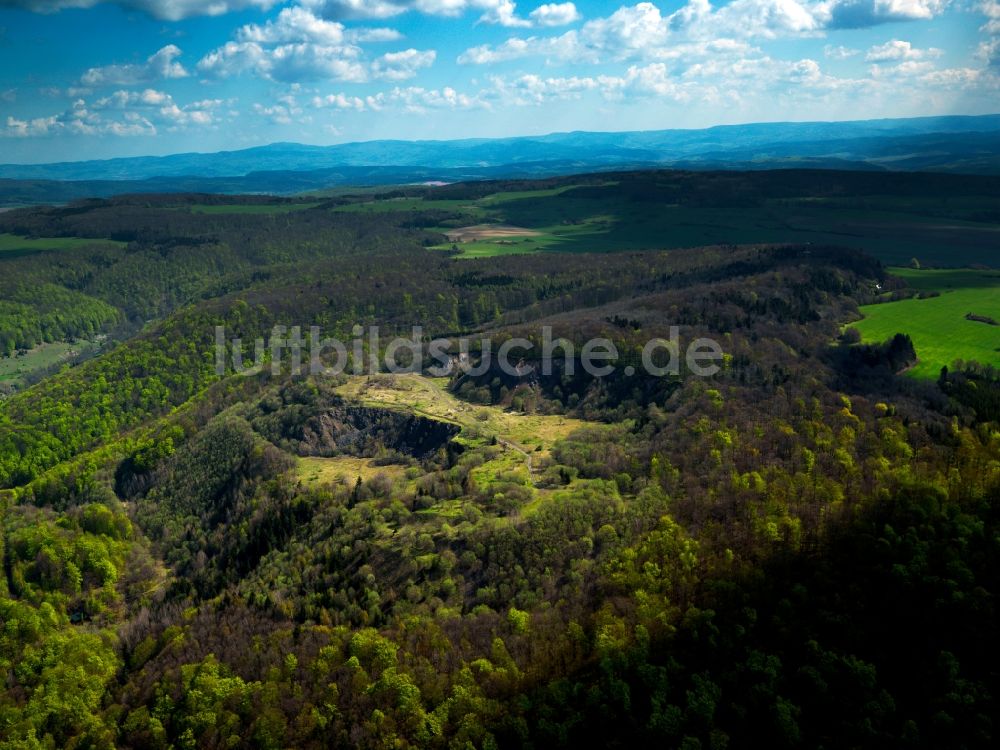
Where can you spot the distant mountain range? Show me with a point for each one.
(954, 144)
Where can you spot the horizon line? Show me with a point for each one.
(523, 136)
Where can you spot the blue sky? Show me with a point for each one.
(83, 79)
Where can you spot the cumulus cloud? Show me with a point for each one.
(399, 66)
(989, 53)
(990, 9)
(899, 50)
(628, 32)
(856, 14)
(284, 113)
(298, 45)
(417, 99)
(338, 101)
(159, 106)
(160, 65)
(380, 34)
(502, 12)
(562, 48)
(301, 61)
(643, 31)
(294, 25)
(122, 113)
(766, 19)
(554, 14)
(165, 10)
(840, 52)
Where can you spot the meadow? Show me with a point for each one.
(938, 325)
(15, 370)
(13, 246)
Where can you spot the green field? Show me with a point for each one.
(12, 245)
(938, 326)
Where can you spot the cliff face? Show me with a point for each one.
(363, 430)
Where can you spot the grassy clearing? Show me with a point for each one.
(319, 471)
(938, 326)
(263, 208)
(12, 245)
(429, 397)
(514, 446)
(14, 370)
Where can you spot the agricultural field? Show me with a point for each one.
(12, 245)
(623, 215)
(940, 330)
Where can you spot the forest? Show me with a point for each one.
(800, 550)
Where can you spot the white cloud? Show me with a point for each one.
(903, 69)
(564, 47)
(629, 32)
(990, 9)
(294, 25)
(959, 78)
(839, 53)
(532, 89)
(298, 45)
(304, 62)
(281, 114)
(381, 34)
(856, 14)
(122, 113)
(338, 101)
(400, 66)
(899, 50)
(554, 14)
(642, 31)
(501, 12)
(26, 128)
(417, 99)
(165, 10)
(989, 52)
(298, 61)
(160, 65)
(766, 19)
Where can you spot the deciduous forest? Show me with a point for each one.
(801, 550)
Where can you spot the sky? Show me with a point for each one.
(94, 79)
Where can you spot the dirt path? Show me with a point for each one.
(523, 452)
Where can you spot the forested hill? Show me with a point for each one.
(968, 145)
(797, 551)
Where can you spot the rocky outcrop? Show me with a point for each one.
(365, 430)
